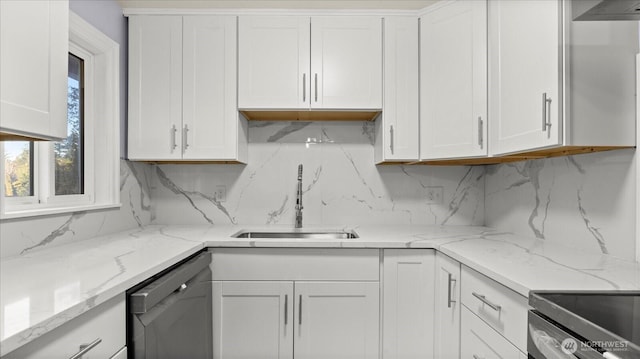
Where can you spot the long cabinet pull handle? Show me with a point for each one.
(450, 291)
(391, 145)
(286, 309)
(476, 357)
(300, 310)
(546, 113)
(480, 132)
(173, 138)
(484, 300)
(304, 87)
(85, 348)
(316, 87)
(185, 143)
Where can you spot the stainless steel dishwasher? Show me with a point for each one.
(170, 316)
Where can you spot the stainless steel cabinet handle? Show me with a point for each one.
(300, 310)
(391, 138)
(480, 132)
(546, 115)
(316, 87)
(173, 138)
(450, 291)
(484, 300)
(185, 143)
(304, 87)
(286, 309)
(476, 357)
(85, 348)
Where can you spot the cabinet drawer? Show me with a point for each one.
(295, 264)
(106, 322)
(478, 340)
(501, 308)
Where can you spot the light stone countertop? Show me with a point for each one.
(40, 290)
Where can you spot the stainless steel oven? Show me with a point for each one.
(170, 315)
(584, 324)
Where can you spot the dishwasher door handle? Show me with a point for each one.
(146, 298)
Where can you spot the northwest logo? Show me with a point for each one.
(569, 346)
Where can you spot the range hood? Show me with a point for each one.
(606, 10)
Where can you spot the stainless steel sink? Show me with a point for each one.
(298, 234)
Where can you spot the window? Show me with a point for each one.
(54, 177)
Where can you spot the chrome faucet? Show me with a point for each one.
(299, 199)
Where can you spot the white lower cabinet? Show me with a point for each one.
(479, 341)
(267, 305)
(253, 319)
(447, 308)
(336, 320)
(408, 303)
(106, 323)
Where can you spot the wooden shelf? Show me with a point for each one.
(524, 156)
(307, 116)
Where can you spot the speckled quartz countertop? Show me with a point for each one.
(43, 289)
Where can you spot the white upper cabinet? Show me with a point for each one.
(155, 87)
(273, 61)
(525, 92)
(34, 42)
(324, 62)
(209, 110)
(453, 65)
(182, 89)
(397, 127)
(554, 82)
(346, 62)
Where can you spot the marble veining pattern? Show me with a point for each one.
(23, 236)
(584, 201)
(111, 264)
(87, 272)
(341, 183)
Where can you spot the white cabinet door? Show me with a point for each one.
(34, 42)
(524, 68)
(210, 116)
(337, 320)
(478, 340)
(447, 308)
(273, 62)
(346, 62)
(155, 87)
(408, 304)
(398, 131)
(253, 319)
(454, 80)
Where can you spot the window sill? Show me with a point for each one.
(56, 210)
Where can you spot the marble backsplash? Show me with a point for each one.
(341, 183)
(585, 201)
(21, 236)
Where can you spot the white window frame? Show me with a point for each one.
(101, 135)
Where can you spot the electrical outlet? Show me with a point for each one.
(221, 193)
(434, 194)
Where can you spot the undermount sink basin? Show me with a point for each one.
(297, 234)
